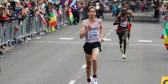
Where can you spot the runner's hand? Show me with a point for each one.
(7, 19)
(102, 39)
(89, 26)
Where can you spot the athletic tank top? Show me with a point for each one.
(129, 15)
(123, 24)
(119, 5)
(94, 33)
(114, 8)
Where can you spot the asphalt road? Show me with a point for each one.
(52, 59)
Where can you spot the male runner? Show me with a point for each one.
(92, 29)
(118, 8)
(114, 11)
(122, 30)
(131, 15)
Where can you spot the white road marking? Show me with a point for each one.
(84, 66)
(1, 56)
(163, 47)
(66, 38)
(37, 38)
(111, 30)
(115, 26)
(108, 34)
(105, 39)
(72, 82)
(144, 40)
(102, 43)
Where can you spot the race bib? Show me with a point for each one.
(123, 24)
(119, 6)
(93, 34)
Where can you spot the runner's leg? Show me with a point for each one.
(89, 64)
(120, 40)
(129, 34)
(95, 53)
(125, 34)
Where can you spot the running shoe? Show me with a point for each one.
(8, 46)
(1, 52)
(128, 43)
(28, 38)
(40, 33)
(124, 57)
(89, 82)
(13, 43)
(43, 33)
(91, 78)
(121, 50)
(94, 81)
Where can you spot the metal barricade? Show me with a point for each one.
(162, 18)
(64, 18)
(2, 33)
(23, 28)
(67, 19)
(16, 23)
(28, 27)
(81, 17)
(8, 32)
(60, 21)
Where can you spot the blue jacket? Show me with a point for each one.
(74, 6)
(15, 12)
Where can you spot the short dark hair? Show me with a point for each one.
(90, 8)
(32, 3)
(13, 3)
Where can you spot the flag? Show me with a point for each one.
(165, 33)
(66, 2)
(81, 10)
(73, 2)
(62, 2)
(57, 2)
(55, 12)
(53, 20)
(71, 18)
(60, 6)
(59, 12)
(70, 1)
(54, 1)
(43, 19)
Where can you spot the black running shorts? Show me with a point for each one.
(88, 47)
(121, 32)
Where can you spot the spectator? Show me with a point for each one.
(5, 17)
(101, 9)
(156, 9)
(85, 8)
(29, 4)
(148, 5)
(75, 12)
(142, 7)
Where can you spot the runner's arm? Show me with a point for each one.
(116, 22)
(101, 27)
(129, 20)
(83, 31)
(132, 14)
